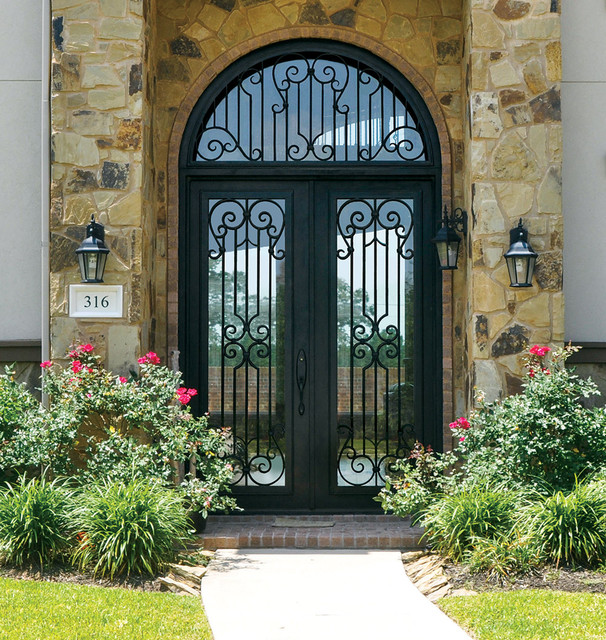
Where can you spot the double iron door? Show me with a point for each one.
(308, 327)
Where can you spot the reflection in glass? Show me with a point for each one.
(375, 375)
(246, 334)
(312, 107)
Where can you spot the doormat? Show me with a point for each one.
(294, 523)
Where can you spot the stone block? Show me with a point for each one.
(399, 27)
(553, 57)
(447, 51)
(212, 17)
(91, 123)
(445, 28)
(129, 134)
(135, 79)
(513, 160)
(123, 347)
(369, 26)
(265, 18)
(80, 37)
(78, 210)
(121, 29)
(503, 74)
(535, 77)
(479, 160)
(550, 192)
(127, 211)
(535, 311)
(485, 206)
(186, 47)
(113, 8)
(71, 148)
(511, 9)
(447, 78)
(119, 51)
(547, 107)
(235, 30)
(63, 334)
(516, 198)
(511, 341)
(114, 175)
(100, 75)
(429, 8)
(403, 7)
(80, 180)
(539, 28)
(372, 9)
(109, 98)
(418, 51)
(486, 122)
(488, 295)
(486, 378)
(525, 51)
(548, 270)
(486, 32)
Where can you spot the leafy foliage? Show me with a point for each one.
(571, 527)
(128, 528)
(457, 520)
(34, 521)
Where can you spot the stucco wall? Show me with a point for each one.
(584, 171)
(20, 150)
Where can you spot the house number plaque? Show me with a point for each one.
(95, 300)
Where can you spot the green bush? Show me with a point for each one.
(571, 527)
(542, 437)
(34, 521)
(102, 426)
(456, 521)
(504, 555)
(128, 528)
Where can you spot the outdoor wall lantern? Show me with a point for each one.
(520, 258)
(92, 253)
(447, 240)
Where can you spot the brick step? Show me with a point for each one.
(348, 532)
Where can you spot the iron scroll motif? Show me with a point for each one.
(246, 253)
(310, 107)
(375, 422)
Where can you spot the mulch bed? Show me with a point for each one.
(561, 579)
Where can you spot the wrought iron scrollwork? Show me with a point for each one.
(246, 253)
(310, 107)
(374, 315)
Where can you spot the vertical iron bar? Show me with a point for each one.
(247, 329)
(386, 409)
(363, 368)
(258, 251)
(376, 323)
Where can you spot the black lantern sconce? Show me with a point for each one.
(521, 257)
(92, 253)
(447, 240)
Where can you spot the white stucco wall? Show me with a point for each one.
(584, 172)
(20, 170)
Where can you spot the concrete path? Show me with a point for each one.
(293, 594)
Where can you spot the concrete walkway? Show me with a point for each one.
(295, 594)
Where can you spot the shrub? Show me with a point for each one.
(34, 521)
(416, 481)
(571, 527)
(542, 437)
(128, 528)
(504, 555)
(455, 521)
(99, 425)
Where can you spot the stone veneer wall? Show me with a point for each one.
(488, 69)
(96, 119)
(513, 170)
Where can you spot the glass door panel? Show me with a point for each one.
(246, 289)
(375, 327)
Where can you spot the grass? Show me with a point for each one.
(57, 611)
(530, 615)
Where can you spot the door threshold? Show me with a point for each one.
(340, 531)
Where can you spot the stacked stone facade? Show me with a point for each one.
(126, 74)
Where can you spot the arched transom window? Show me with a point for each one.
(310, 106)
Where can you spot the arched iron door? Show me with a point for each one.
(309, 295)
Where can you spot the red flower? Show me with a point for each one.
(539, 351)
(47, 364)
(531, 373)
(460, 423)
(181, 390)
(192, 393)
(86, 348)
(122, 379)
(77, 366)
(461, 438)
(73, 354)
(149, 358)
(183, 398)
(547, 372)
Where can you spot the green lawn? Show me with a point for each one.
(530, 615)
(57, 611)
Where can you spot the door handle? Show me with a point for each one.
(301, 370)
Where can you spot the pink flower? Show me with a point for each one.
(183, 398)
(547, 372)
(86, 348)
(73, 354)
(122, 379)
(461, 438)
(47, 364)
(149, 358)
(77, 366)
(531, 373)
(192, 393)
(460, 423)
(539, 351)
(181, 390)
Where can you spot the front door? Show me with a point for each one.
(309, 304)
(311, 344)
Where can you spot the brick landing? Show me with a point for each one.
(348, 532)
